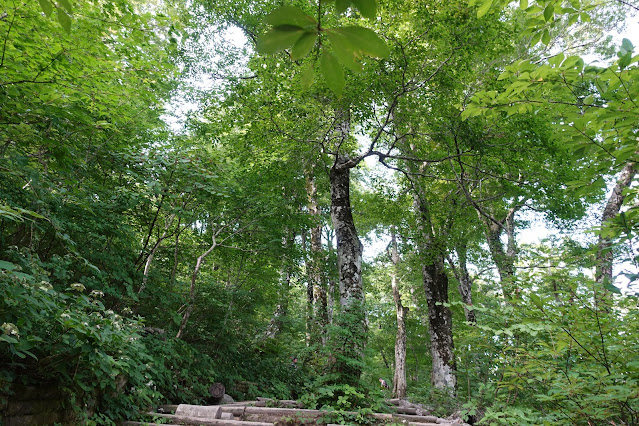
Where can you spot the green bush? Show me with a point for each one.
(70, 339)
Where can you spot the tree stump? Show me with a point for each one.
(217, 391)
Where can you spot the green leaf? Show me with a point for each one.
(365, 40)
(523, 4)
(545, 37)
(332, 72)
(278, 39)
(484, 8)
(66, 4)
(7, 266)
(611, 288)
(46, 6)
(625, 60)
(368, 8)
(347, 54)
(535, 38)
(341, 6)
(289, 15)
(549, 12)
(8, 339)
(308, 75)
(627, 45)
(557, 59)
(536, 300)
(304, 45)
(64, 20)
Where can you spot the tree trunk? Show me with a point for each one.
(281, 310)
(603, 270)
(504, 259)
(350, 345)
(190, 304)
(149, 258)
(465, 283)
(440, 319)
(330, 299)
(319, 315)
(176, 258)
(399, 378)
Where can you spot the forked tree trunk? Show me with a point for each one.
(191, 302)
(504, 258)
(440, 319)
(399, 378)
(151, 255)
(603, 270)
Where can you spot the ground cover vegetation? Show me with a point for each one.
(142, 261)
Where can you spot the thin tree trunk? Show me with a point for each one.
(440, 319)
(330, 298)
(149, 259)
(603, 270)
(465, 283)
(319, 315)
(191, 302)
(176, 251)
(309, 292)
(399, 378)
(281, 310)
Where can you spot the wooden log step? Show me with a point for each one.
(284, 403)
(167, 409)
(418, 419)
(199, 421)
(266, 414)
(205, 411)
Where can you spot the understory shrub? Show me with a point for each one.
(67, 337)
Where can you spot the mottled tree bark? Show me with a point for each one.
(399, 378)
(440, 318)
(504, 258)
(349, 264)
(603, 270)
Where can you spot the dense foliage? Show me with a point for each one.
(140, 262)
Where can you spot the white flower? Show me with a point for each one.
(44, 286)
(78, 287)
(10, 328)
(65, 315)
(96, 293)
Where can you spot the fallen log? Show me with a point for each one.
(283, 403)
(418, 419)
(205, 411)
(196, 421)
(265, 414)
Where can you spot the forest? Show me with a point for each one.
(304, 199)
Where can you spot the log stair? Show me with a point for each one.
(268, 412)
